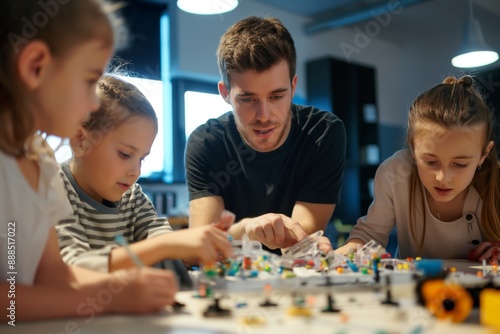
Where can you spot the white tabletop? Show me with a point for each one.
(361, 312)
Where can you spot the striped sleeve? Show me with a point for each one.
(146, 222)
(75, 248)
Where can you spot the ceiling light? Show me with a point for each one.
(474, 51)
(207, 7)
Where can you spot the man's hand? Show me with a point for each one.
(274, 230)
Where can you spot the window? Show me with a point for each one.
(153, 90)
(194, 102)
(200, 107)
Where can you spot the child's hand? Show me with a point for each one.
(204, 243)
(485, 251)
(226, 220)
(141, 290)
(324, 245)
(351, 246)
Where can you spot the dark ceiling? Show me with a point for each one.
(427, 15)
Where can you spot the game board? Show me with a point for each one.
(303, 273)
(307, 292)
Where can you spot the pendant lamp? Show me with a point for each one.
(207, 7)
(474, 51)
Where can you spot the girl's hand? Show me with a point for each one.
(485, 251)
(141, 290)
(324, 245)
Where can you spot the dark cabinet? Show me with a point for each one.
(349, 91)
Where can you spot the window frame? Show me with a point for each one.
(179, 87)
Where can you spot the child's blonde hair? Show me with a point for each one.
(456, 103)
(62, 26)
(120, 101)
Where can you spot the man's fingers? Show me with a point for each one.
(298, 231)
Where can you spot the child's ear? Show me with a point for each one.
(79, 143)
(486, 152)
(32, 63)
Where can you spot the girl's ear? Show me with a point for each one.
(79, 143)
(486, 152)
(32, 63)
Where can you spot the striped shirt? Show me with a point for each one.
(88, 239)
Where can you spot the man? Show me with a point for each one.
(277, 166)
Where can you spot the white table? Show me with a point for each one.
(361, 312)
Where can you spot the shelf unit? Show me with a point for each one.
(349, 91)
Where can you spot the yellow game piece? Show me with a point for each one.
(453, 270)
(489, 301)
(253, 320)
(299, 311)
(287, 274)
(339, 269)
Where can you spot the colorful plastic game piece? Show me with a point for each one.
(330, 305)
(306, 246)
(489, 300)
(252, 320)
(388, 293)
(267, 294)
(446, 301)
(216, 311)
(299, 307)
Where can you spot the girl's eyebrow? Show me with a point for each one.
(133, 148)
(458, 157)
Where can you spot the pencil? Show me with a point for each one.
(120, 240)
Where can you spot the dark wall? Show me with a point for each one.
(144, 50)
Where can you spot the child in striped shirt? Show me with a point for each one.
(100, 181)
